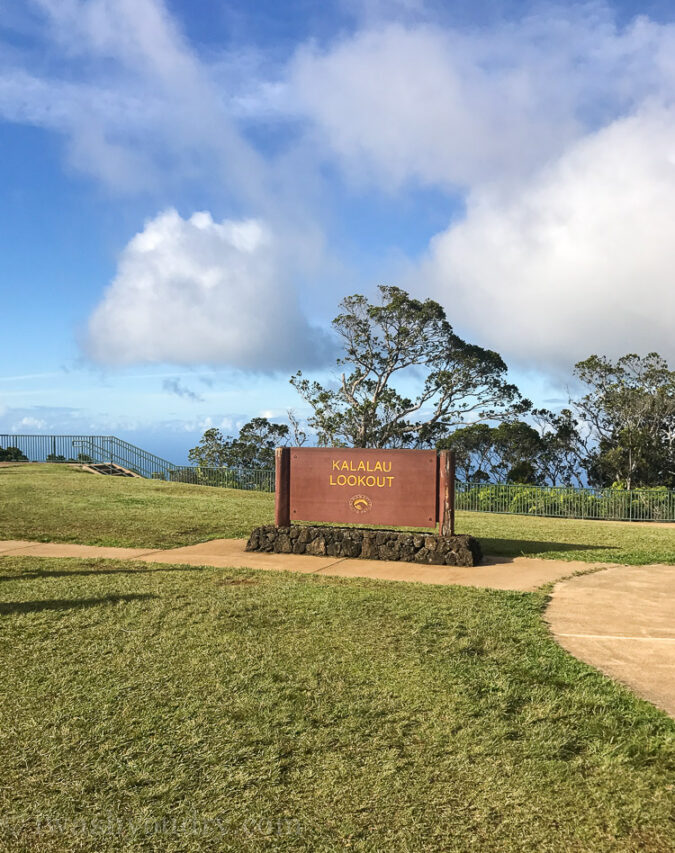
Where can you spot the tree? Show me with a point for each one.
(563, 450)
(252, 448)
(407, 341)
(211, 452)
(12, 454)
(516, 452)
(299, 435)
(518, 448)
(629, 414)
(508, 453)
(473, 446)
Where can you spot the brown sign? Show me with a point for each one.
(395, 488)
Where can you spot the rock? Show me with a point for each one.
(351, 542)
(283, 544)
(317, 547)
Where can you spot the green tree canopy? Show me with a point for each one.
(390, 347)
(513, 452)
(252, 448)
(629, 414)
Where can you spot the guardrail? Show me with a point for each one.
(567, 502)
(109, 448)
(90, 448)
(550, 502)
(260, 480)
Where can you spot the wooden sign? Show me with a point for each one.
(393, 488)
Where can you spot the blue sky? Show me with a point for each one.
(189, 189)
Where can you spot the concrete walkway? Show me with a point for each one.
(520, 573)
(622, 621)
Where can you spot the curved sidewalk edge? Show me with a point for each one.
(622, 622)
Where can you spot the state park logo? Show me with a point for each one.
(360, 503)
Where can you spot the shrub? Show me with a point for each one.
(12, 454)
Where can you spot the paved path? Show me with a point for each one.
(521, 573)
(622, 621)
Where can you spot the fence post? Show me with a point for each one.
(282, 491)
(446, 493)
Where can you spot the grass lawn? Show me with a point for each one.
(63, 504)
(60, 503)
(186, 709)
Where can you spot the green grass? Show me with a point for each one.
(186, 709)
(631, 543)
(63, 504)
(59, 503)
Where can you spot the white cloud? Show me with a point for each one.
(447, 107)
(553, 130)
(225, 424)
(579, 260)
(557, 132)
(29, 423)
(195, 291)
(137, 107)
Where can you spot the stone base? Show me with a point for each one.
(355, 542)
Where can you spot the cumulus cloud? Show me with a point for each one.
(557, 132)
(455, 108)
(195, 291)
(549, 134)
(580, 260)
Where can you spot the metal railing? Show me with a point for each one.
(110, 449)
(89, 448)
(551, 502)
(567, 502)
(259, 480)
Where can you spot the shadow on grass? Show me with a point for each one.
(7, 608)
(522, 547)
(34, 574)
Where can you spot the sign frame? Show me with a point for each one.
(297, 466)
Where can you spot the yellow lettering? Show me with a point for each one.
(351, 480)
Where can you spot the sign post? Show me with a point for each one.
(282, 490)
(446, 492)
